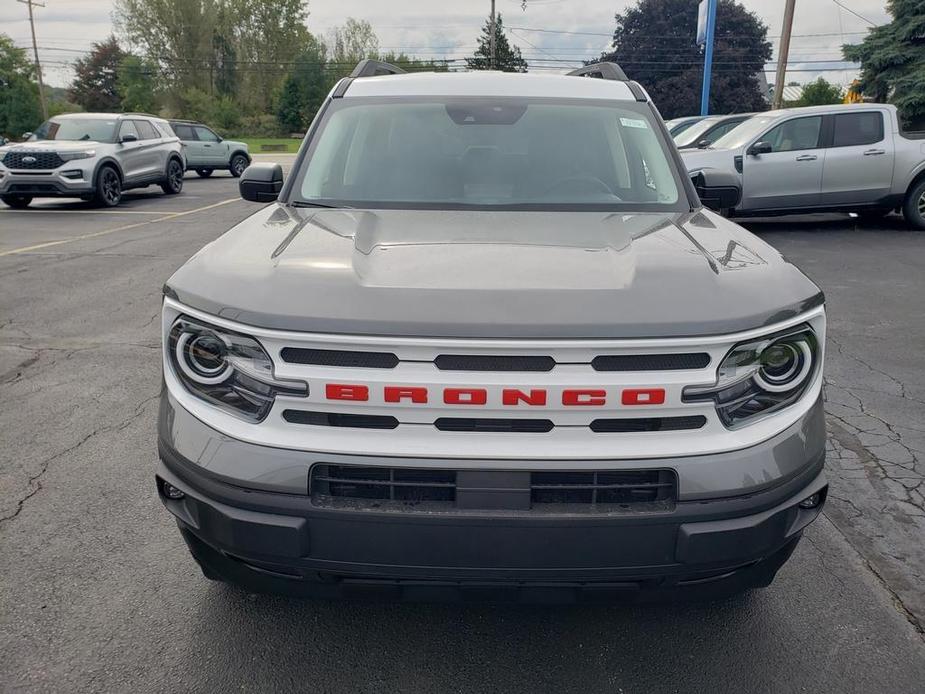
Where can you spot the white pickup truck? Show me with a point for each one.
(847, 157)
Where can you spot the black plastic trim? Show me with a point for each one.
(604, 70)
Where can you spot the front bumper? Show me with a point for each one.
(50, 183)
(285, 542)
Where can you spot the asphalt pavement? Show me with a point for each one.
(98, 593)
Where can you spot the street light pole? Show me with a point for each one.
(783, 54)
(708, 58)
(35, 50)
(494, 29)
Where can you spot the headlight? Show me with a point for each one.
(70, 156)
(760, 377)
(227, 369)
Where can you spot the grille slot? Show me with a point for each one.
(43, 160)
(478, 362)
(374, 488)
(334, 419)
(383, 483)
(606, 487)
(650, 362)
(490, 424)
(638, 424)
(332, 357)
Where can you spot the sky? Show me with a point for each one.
(574, 29)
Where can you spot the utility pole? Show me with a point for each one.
(782, 55)
(35, 50)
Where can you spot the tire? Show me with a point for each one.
(204, 173)
(173, 184)
(108, 187)
(17, 202)
(914, 206)
(237, 165)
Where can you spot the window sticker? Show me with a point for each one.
(634, 123)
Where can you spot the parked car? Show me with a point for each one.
(93, 156)
(705, 132)
(676, 126)
(487, 334)
(206, 151)
(847, 157)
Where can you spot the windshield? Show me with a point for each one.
(96, 129)
(744, 133)
(489, 153)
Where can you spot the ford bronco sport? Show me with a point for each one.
(487, 340)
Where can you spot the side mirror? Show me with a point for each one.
(703, 144)
(26, 136)
(717, 189)
(761, 147)
(261, 182)
(128, 137)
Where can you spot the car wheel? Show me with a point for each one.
(238, 164)
(914, 207)
(17, 202)
(204, 173)
(108, 187)
(173, 184)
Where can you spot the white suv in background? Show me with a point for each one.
(206, 151)
(92, 156)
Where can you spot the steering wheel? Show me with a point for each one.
(580, 184)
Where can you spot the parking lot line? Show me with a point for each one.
(104, 232)
(42, 210)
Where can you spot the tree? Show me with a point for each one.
(892, 58)
(304, 89)
(349, 44)
(94, 85)
(19, 94)
(655, 43)
(507, 57)
(820, 93)
(136, 85)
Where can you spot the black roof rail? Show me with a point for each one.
(601, 71)
(374, 68)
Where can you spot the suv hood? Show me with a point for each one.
(51, 146)
(493, 274)
(695, 159)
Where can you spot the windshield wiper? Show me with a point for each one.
(305, 203)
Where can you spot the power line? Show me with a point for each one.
(849, 10)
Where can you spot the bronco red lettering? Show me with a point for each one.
(643, 396)
(465, 396)
(595, 398)
(346, 391)
(512, 396)
(396, 393)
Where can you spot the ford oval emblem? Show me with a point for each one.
(29, 160)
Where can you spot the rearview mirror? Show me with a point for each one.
(719, 190)
(261, 182)
(761, 147)
(128, 137)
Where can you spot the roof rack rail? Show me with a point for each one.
(601, 71)
(374, 68)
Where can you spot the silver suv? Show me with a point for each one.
(207, 151)
(92, 156)
(487, 336)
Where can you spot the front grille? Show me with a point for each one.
(32, 188)
(475, 362)
(42, 160)
(492, 424)
(629, 425)
(331, 357)
(374, 488)
(336, 419)
(650, 362)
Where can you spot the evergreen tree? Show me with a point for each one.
(304, 89)
(19, 94)
(892, 58)
(507, 57)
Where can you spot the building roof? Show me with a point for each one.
(489, 83)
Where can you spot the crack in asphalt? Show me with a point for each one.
(34, 483)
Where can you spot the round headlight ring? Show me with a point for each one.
(196, 368)
(801, 356)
